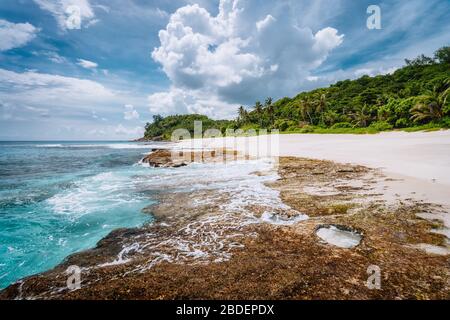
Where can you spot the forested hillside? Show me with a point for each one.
(413, 97)
(161, 128)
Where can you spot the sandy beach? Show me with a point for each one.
(421, 159)
(423, 155)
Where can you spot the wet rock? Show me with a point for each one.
(163, 158)
(175, 159)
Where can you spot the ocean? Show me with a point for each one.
(57, 198)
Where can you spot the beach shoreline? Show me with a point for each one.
(281, 251)
(414, 156)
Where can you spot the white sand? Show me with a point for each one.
(418, 163)
(423, 155)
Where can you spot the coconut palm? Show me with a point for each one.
(306, 111)
(259, 111)
(432, 105)
(321, 106)
(361, 116)
(258, 107)
(242, 114)
(270, 110)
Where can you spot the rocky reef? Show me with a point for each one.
(179, 158)
(201, 246)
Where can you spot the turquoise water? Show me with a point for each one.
(57, 198)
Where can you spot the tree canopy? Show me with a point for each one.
(411, 96)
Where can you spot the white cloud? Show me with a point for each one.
(52, 85)
(182, 101)
(15, 35)
(65, 96)
(56, 58)
(248, 51)
(129, 132)
(326, 40)
(47, 102)
(268, 20)
(371, 69)
(87, 64)
(312, 78)
(161, 13)
(364, 71)
(130, 113)
(51, 55)
(92, 22)
(374, 71)
(7, 110)
(69, 14)
(41, 111)
(96, 132)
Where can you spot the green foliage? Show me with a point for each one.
(443, 55)
(341, 125)
(397, 112)
(284, 124)
(433, 105)
(320, 130)
(414, 97)
(425, 127)
(381, 126)
(306, 129)
(250, 127)
(446, 122)
(382, 102)
(163, 127)
(421, 60)
(402, 123)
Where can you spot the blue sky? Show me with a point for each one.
(104, 77)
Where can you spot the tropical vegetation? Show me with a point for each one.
(414, 97)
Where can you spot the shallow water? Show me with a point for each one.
(62, 197)
(237, 197)
(338, 237)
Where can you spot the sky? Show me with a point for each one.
(100, 69)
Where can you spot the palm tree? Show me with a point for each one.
(242, 114)
(361, 116)
(259, 111)
(306, 110)
(270, 110)
(382, 99)
(321, 106)
(432, 105)
(258, 107)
